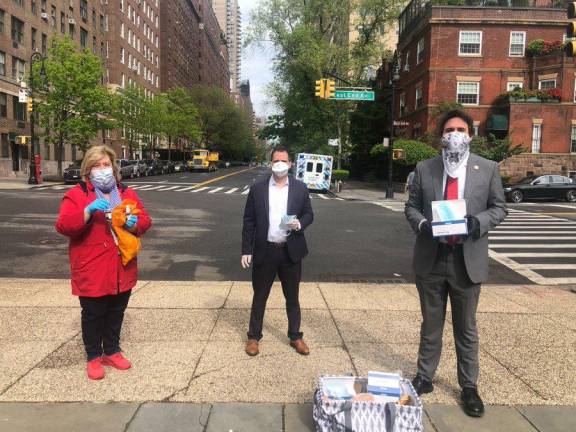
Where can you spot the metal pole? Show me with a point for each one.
(32, 178)
(339, 144)
(390, 186)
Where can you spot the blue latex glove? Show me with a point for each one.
(99, 204)
(131, 221)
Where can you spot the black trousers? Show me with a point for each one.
(449, 279)
(102, 319)
(276, 263)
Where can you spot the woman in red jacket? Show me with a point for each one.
(99, 279)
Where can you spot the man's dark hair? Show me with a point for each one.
(449, 115)
(280, 149)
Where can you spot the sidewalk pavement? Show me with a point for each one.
(190, 371)
(357, 190)
(20, 183)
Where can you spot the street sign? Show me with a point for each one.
(354, 95)
(23, 95)
(334, 142)
(401, 123)
(386, 142)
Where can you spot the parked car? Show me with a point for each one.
(125, 168)
(179, 166)
(153, 167)
(72, 173)
(139, 167)
(541, 187)
(168, 167)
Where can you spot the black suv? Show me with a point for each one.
(72, 173)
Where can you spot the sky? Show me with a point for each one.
(257, 66)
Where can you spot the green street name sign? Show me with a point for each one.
(354, 95)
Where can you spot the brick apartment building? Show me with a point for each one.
(473, 55)
(193, 47)
(26, 27)
(132, 56)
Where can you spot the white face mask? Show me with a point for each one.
(103, 179)
(280, 169)
(455, 151)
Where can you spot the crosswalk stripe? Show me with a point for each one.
(531, 246)
(184, 189)
(498, 237)
(550, 266)
(136, 187)
(541, 255)
(530, 232)
(216, 190)
(321, 196)
(232, 190)
(167, 188)
(200, 189)
(151, 188)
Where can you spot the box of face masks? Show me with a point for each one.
(384, 384)
(449, 218)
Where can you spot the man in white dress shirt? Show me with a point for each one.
(278, 210)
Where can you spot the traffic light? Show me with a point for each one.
(321, 88)
(398, 154)
(30, 105)
(570, 47)
(330, 89)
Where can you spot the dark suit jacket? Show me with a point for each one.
(484, 200)
(255, 228)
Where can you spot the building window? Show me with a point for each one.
(83, 37)
(547, 84)
(513, 85)
(420, 51)
(121, 55)
(402, 104)
(517, 42)
(53, 16)
(18, 109)
(468, 93)
(93, 44)
(33, 7)
(121, 5)
(2, 63)
(84, 10)
(18, 69)
(573, 139)
(62, 23)
(44, 43)
(17, 30)
(470, 43)
(5, 145)
(46, 150)
(2, 15)
(19, 2)
(122, 30)
(93, 18)
(101, 23)
(418, 97)
(536, 137)
(33, 37)
(3, 105)
(122, 81)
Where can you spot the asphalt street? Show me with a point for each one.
(197, 234)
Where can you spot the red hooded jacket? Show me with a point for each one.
(95, 263)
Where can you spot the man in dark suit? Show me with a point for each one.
(277, 212)
(453, 266)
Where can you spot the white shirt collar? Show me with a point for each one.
(273, 182)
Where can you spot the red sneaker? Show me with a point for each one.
(117, 361)
(94, 369)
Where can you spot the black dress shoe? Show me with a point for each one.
(421, 385)
(472, 404)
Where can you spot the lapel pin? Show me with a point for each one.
(476, 167)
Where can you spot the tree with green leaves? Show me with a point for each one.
(182, 118)
(493, 148)
(224, 126)
(74, 106)
(130, 103)
(312, 42)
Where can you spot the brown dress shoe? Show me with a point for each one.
(252, 347)
(300, 346)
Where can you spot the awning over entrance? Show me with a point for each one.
(497, 122)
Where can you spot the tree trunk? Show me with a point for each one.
(169, 147)
(60, 149)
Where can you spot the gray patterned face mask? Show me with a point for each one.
(455, 151)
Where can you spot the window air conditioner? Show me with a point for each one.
(44, 16)
(71, 21)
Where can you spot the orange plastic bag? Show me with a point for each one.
(128, 243)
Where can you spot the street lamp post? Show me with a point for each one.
(36, 56)
(394, 76)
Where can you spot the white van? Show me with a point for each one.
(314, 170)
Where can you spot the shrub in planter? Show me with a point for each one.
(340, 175)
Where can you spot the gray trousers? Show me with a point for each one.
(449, 278)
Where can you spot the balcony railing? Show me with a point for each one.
(417, 9)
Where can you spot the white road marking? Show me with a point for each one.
(518, 268)
(498, 237)
(215, 190)
(322, 196)
(168, 188)
(530, 232)
(151, 188)
(541, 255)
(200, 189)
(531, 246)
(232, 190)
(246, 192)
(549, 266)
(184, 189)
